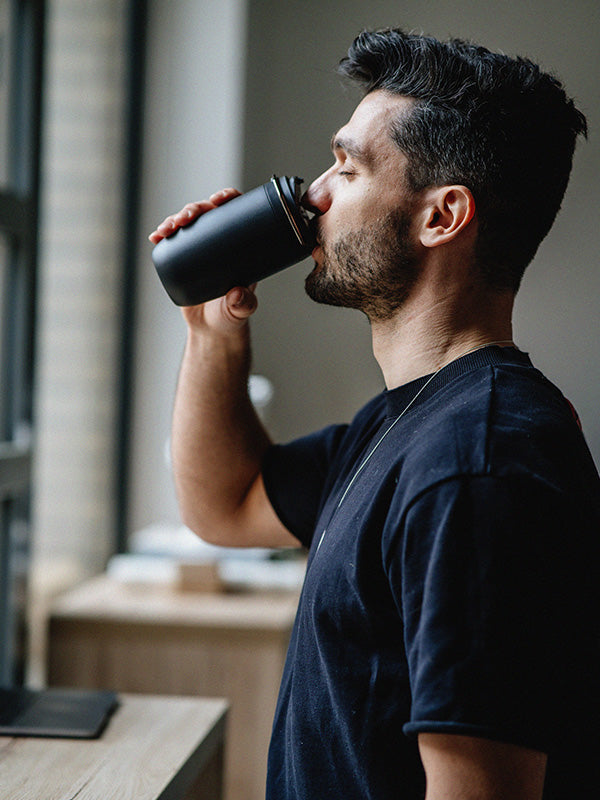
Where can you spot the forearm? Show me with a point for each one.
(218, 441)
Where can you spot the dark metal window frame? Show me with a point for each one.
(19, 217)
(19, 213)
(135, 39)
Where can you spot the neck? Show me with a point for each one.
(428, 333)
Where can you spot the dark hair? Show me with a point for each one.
(498, 125)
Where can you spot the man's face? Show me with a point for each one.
(365, 257)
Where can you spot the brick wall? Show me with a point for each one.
(82, 221)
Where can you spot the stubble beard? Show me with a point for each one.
(372, 269)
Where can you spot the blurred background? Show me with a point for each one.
(118, 112)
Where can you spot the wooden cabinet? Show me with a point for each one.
(155, 640)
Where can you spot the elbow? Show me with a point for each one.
(200, 525)
(212, 528)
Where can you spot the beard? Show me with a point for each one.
(372, 269)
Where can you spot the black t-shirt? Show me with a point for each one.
(452, 584)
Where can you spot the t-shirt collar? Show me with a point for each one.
(494, 355)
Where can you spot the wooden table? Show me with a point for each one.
(154, 748)
(109, 635)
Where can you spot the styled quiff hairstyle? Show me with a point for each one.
(497, 125)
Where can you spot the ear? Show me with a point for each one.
(447, 211)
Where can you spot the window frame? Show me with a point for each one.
(19, 215)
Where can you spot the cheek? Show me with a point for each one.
(351, 212)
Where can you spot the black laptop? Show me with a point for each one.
(60, 713)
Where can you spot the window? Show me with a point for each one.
(21, 37)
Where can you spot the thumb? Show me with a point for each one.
(241, 303)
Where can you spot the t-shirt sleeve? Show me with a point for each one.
(487, 591)
(295, 475)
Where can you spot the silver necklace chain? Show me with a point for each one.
(367, 458)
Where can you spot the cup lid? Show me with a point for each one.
(289, 192)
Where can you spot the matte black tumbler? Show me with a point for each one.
(236, 244)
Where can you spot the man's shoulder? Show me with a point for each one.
(498, 419)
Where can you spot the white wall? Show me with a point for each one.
(193, 145)
(319, 356)
(289, 100)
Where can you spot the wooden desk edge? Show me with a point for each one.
(209, 749)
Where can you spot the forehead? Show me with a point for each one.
(370, 124)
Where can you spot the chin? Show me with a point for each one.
(317, 270)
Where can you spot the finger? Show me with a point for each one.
(166, 228)
(184, 217)
(224, 196)
(191, 211)
(162, 230)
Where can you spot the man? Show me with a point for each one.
(447, 637)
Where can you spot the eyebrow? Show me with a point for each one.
(352, 148)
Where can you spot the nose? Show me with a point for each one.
(317, 198)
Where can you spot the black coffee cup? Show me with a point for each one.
(239, 243)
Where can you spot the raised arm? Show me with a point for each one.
(218, 442)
